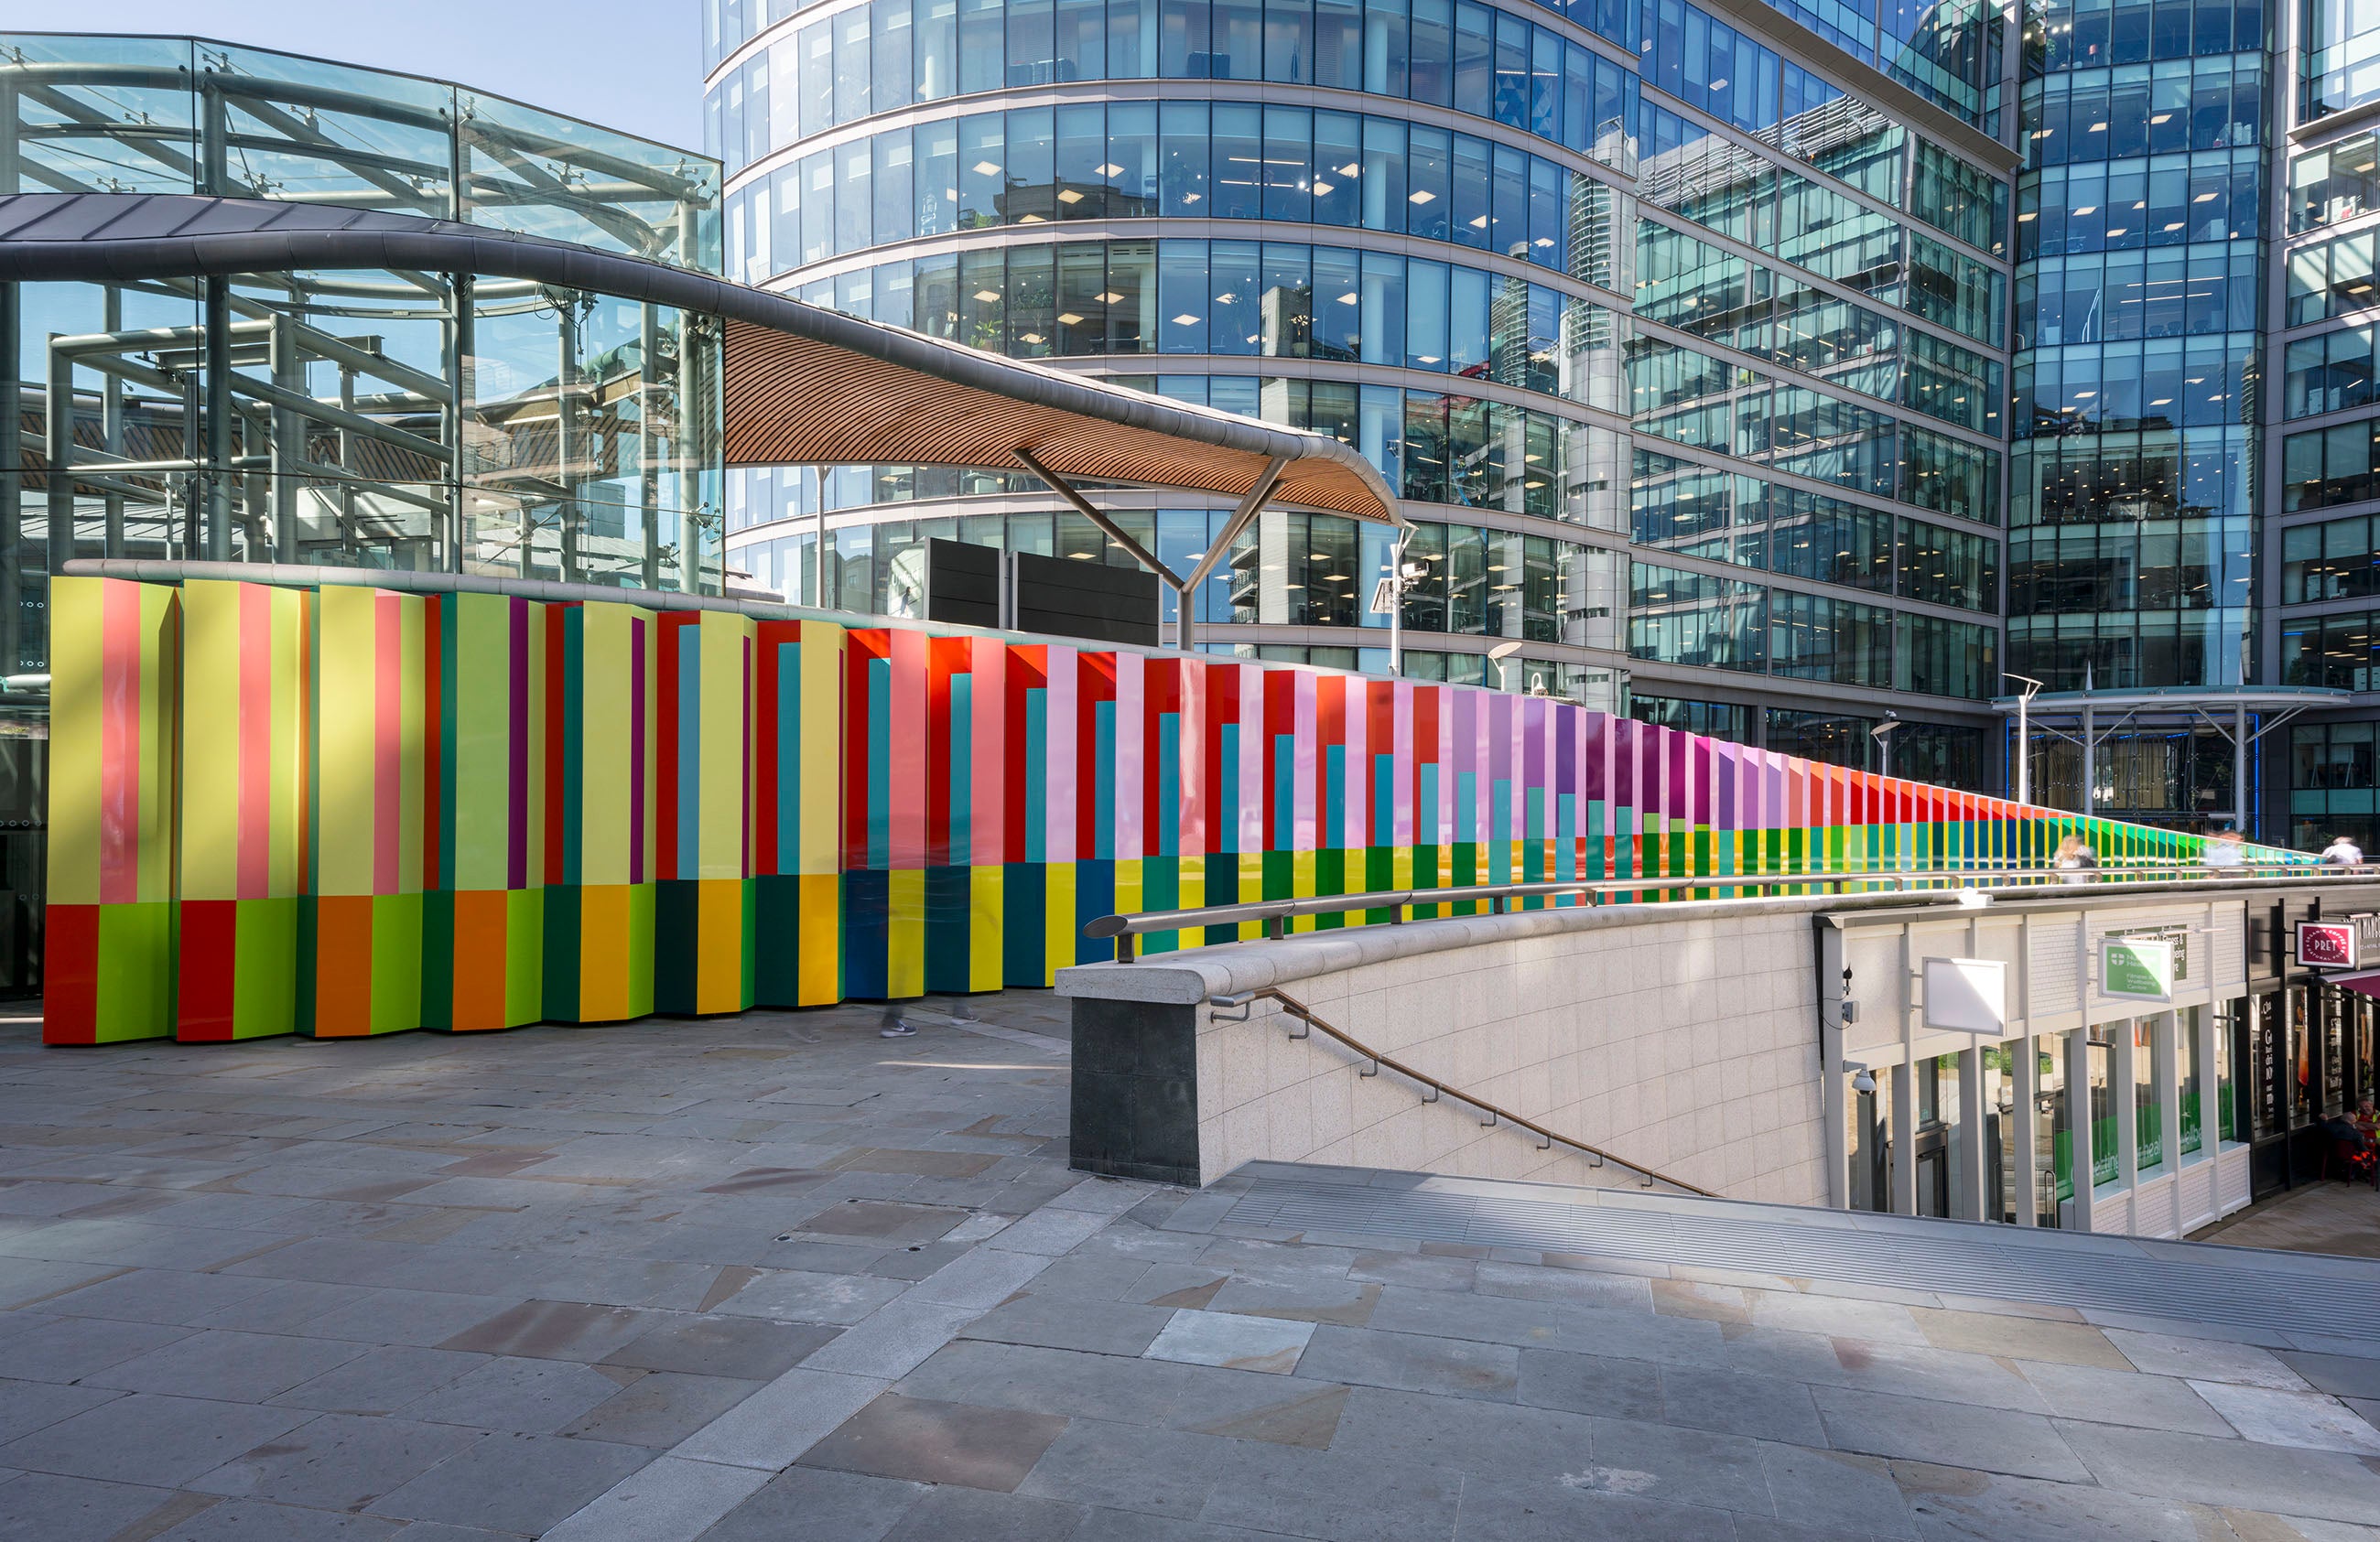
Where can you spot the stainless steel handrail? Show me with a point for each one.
(1274, 914)
(1597, 1155)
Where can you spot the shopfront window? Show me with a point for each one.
(2002, 1090)
(2148, 1123)
(2230, 1054)
(2268, 1068)
(2053, 1178)
(2185, 1075)
(2103, 1105)
(2301, 1062)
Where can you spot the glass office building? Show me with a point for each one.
(1685, 340)
(2322, 547)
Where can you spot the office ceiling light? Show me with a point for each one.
(1109, 296)
(1069, 319)
(1070, 196)
(989, 296)
(987, 168)
(1425, 196)
(1184, 320)
(1110, 169)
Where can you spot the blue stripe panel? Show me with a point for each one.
(1103, 832)
(1166, 839)
(962, 773)
(1227, 797)
(787, 856)
(1284, 791)
(1036, 778)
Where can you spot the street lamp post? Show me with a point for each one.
(1502, 657)
(1882, 734)
(2024, 737)
(1390, 595)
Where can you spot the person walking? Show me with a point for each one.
(2074, 860)
(2227, 850)
(2342, 851)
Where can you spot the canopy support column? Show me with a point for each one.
(1218, 549)
(1115, 532)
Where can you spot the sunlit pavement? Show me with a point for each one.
(779, 1276)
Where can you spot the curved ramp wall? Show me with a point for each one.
(1681, 1037)
(367, 801)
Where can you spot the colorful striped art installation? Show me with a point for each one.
(351, 810)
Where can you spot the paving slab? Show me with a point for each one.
(921, 1441)
(518, 1483)
(1224, 1339)
(810, 1501)
(1990, 1439)
(145, 1438)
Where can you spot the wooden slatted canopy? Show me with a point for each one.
(797, 399)
(803, 385)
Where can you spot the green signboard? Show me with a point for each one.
(2136, 968)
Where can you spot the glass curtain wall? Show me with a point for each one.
(2136, 378)
(368, 418)
(1481, 297)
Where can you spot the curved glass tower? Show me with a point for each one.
(1682, 338)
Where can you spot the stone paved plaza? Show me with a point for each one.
(779, 1278)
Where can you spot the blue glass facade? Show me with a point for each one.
(1607, 291)
(2140, 235)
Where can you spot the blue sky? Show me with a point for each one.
(621, 63)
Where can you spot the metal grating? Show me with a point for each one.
(2231, 1287)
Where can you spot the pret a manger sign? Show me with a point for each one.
(2349, 942)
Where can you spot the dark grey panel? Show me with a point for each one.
(962, 583)
(1135, 1091)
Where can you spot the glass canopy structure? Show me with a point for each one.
(375, 416)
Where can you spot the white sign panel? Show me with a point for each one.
(1967, 995)
(2136, 968)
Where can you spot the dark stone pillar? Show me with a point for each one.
(1135, 1104)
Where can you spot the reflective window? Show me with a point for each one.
(2339, 559)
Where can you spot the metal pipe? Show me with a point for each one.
(369, 428)
(285, 439)
(111, 423)
(218, 420)
(565, 439)
(460, 339)
(649, 444)
(1395, 900)
(12, 454)
(58, 451)
(2239, 768)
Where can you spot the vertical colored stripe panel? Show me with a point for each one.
(357, 810)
